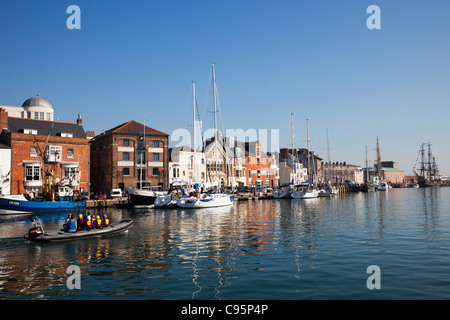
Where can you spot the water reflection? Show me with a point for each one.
(286, 249)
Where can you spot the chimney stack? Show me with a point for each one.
(3, 119)
(79, 120)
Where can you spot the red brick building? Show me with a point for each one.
(38, 146)
(128, 155)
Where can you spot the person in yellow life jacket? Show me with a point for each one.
(89, 225)
(105, 221)
(98, 222)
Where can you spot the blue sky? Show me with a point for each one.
(137, 59)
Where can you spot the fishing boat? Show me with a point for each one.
(206, 201)
(38, 234)
(16, 204)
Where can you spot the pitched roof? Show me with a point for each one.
(44, 127)
(134, 127)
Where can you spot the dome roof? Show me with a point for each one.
(37, 102)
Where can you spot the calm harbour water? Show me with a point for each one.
(261, 250)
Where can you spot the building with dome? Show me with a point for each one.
(36, 108)
(32, 144)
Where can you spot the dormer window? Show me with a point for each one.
(29, 131)
(66, 135)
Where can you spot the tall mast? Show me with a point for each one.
(378, 160)
(307, 140)
(367, 169)
(194, 146)
(292, 141)
(215, 118)
(329, 157)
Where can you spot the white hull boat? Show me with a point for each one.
(383, 186)
(209, 201)
(305, 194)
(167, 201)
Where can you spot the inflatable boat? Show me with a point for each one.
(38, 234)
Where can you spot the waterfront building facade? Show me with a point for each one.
(184, 166)
(339, 172)
(129, 156)
(257, 165)
(291, 170)
(217, 168)
(39, 146)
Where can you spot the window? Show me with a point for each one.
(70, 153)
(259, 174)
(125, 156)
(33, 172)
(176, 172)
(126, 143)
(141, 158)
(47, 116)
(257, 151)
(155, 144)
(156, 157)
(36, 115)
(126, 171)
(258, 161)
(141, 144)
(28, 114)
(140, 174)
(33, 152)
(41, 116)
(155, 172)
(70, 173)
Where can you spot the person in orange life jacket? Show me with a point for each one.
(89, 225)
(105, 221)
(81, 223)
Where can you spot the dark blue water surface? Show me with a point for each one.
(266, 249)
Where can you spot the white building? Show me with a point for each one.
(182, 166)
(36, 108)
(5, 168)
(291, 170)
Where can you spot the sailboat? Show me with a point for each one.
(427, 174)
(207, 200)
(383, 184)
(285, 190)
(329, 190)
(306, 190)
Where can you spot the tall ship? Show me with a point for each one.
(426, 169)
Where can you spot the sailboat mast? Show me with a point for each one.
(367, 169)
(329, 157)
(215, 118)
(307, 141)
(194, 133)
(378, 159)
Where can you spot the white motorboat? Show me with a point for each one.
(166, 201)
(206, 201)
(383, 186)
(305, 193)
